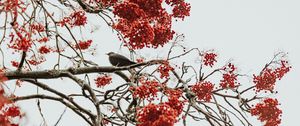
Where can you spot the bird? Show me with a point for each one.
(118, 60)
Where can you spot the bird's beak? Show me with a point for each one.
(106, 53)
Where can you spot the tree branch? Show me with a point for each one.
(49, 74)
(54, 99)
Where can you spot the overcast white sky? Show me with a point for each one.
(249, 32)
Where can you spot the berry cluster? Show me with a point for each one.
(164, 69)
(267, 112)
(147, 90)
(209, 58)
(103, 80)
(9, 113)
(77, 18)
(83, 44)
(268, 77)
(157, 115)
(203, 90)
(145, 23)
(100, 4)
(229, 77)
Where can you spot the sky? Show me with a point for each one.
(249, 32)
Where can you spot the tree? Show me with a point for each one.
(155, 92)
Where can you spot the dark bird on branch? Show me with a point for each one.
(118, 60)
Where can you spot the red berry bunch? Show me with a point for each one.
(83, 44)
(21, 39)
(181, 10)
(9, 113)
(268, 77)
(209, 58)
(36, 60)
(44, 49)
(267, 112)
(37, 27)
(103, 80)
(229, 77)
(145, 23)
(176, 104)
(203, 90)
(157, 115)
(77, 18)
(147, 90)
(13, 6)
(100, 3)
(164, 69)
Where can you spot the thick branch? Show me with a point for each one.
(48, 74)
